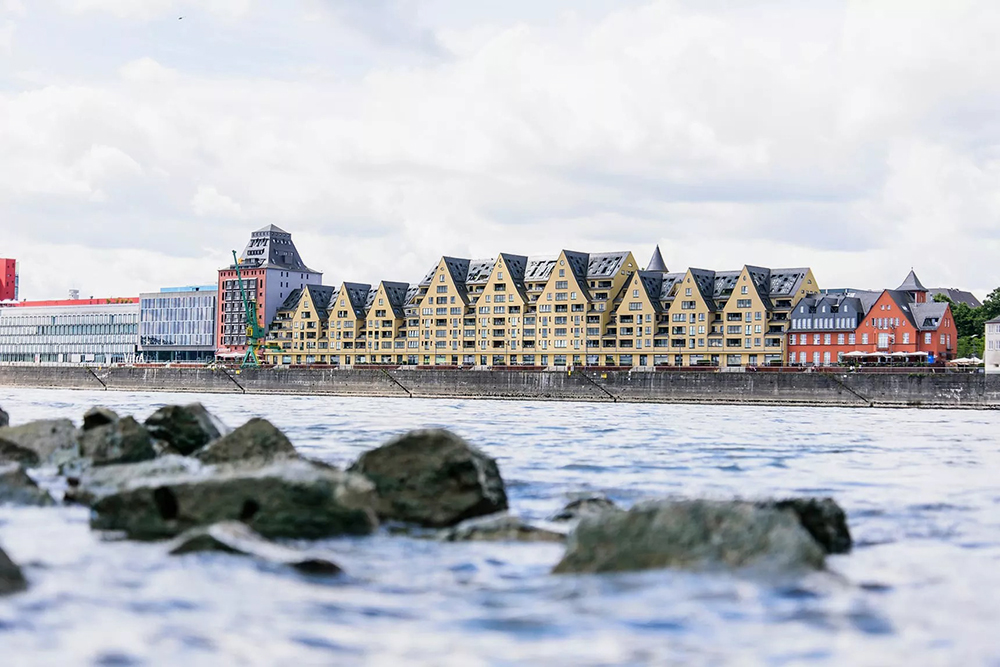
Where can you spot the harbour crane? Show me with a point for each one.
(255, 332)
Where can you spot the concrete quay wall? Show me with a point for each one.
(957, 390)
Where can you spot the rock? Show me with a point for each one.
(48, 438)
(186, 428)
(825, 520)
(123, 441)
(257, 440)
(16, 488)
(4, 418)
(14, 453)
(11, 578)
(286, 499)
(93, 483)
(500, 528)
(690, 534)
(237, 538)
(98, 416)
(433, 478)
(586, 505)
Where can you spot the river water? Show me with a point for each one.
(922, 587)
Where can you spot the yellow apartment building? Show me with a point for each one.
(575, 309)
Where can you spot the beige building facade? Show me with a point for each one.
(572, 310)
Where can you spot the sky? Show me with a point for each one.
(143, 140)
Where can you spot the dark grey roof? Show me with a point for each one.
(479, 271)
(411, 294)
(995, 320)
(357, 294)
(292, 300)
(911, 284)
(667, 285)
(956, 295)
(516, 266)
(927, 316)
(271, 247)
(396, 293)
(603, 264)
(320, 295)
(459, 270)
(786, 282)
(761, 279)
(656, 262)
(704, 280)
(579, 264)
(652, 284)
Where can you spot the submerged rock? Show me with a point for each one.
(121, 441)
(4, 418)
(11, 578)
(98, 416)
(257, 440)
(92, 483)
(586, 505)
(16, 488)
(690, 534)
(48, 438)
(286, 499)
(500, 528)
(186, 428)
(13, 453)
(237, 538)
(825, 520)
(433, 478)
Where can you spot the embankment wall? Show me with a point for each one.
(959, 390)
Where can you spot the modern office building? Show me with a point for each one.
(992, 349)
(178, 324)
(271, 268)
(895, 325)
(8, 280)
(75, 331)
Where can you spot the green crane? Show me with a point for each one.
(255, 332)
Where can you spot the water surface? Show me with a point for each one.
(921, 488)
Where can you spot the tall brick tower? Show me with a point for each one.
(8, 280)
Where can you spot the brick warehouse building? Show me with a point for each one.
(271, 268)
(896, 324)
(8, 280)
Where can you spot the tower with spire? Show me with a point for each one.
(914, 288)
(656, 263)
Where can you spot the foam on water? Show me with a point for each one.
(919, 487)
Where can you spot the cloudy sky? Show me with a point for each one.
(137, 148)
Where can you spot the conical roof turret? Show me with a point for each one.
(912, 284)
(656, 262)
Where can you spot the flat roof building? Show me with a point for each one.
(73, 331)
(178, 324)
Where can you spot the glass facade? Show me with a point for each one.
(177, 325)
(102, 334)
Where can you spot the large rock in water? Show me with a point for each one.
(433, 478)
(4, 418)
(257, 440)
(825, 520)
(586, 505)
(95, 483)
(186, 428)
(690, 534)
(11, 578)
(14, 453)
(48, 438)
(16, 488)
(122, 441)
(287, 499)
(237, 538)
(500, 528)
(98, 416)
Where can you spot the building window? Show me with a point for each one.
(927, 338)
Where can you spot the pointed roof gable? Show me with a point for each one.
(458, 268)
(656, 262)
(292, 300)
(516, 266)
(911, 284)
(652, 282)
(704, 280)
(357, 296)
(396, 293)
(320, 295)
(928, 316)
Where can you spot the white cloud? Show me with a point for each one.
(840, 135)
(208, 202)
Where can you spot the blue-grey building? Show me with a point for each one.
(178, 324)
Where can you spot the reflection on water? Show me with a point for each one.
(919, 487)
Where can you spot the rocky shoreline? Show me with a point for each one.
(184, 479)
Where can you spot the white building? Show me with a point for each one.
(992, 353)
(75, 331)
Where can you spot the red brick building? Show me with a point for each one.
(892, 325)
(8, 280)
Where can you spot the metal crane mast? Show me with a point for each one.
(255, 332)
